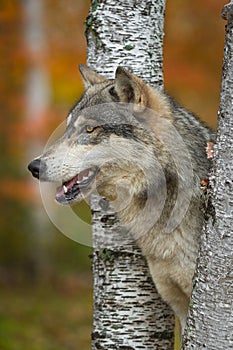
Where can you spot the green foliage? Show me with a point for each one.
(94, 5)
(68, 256)
(129, 47)
(14, 239)
(83, 211)
(106, 254)
(44, 317)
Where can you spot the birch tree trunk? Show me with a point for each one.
(128, 312)
(210, 324)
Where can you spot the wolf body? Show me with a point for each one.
(146, 155)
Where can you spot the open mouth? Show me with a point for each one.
(74, 190)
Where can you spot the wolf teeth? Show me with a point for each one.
(84, 178)
(65, 189)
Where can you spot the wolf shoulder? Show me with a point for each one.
(194, 133)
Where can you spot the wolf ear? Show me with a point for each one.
(89, 76)
(131, 89)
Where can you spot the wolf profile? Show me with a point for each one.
(142, 152)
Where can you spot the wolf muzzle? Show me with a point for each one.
(36, 167)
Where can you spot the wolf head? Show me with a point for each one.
(109, 143)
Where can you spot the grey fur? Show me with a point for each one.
(147, 156)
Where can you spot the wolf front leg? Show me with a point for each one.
(173, 286)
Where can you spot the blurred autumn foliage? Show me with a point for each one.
(42, 42)
(193, 51)
(38, 39)
(49, 43)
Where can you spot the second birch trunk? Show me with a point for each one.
(211, 313)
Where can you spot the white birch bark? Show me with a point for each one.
(210, 324)
(128, 312)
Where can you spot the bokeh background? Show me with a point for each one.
(45, 277)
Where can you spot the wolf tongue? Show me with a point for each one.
(77, 178)
(71, 183)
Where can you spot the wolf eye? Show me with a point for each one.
(89, 128)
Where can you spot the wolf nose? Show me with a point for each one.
(36, 167)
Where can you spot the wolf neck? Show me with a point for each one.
(150, 208)
(159, 103)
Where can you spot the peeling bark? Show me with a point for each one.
(210, 323)
(128, 312)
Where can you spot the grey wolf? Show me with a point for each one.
(144, 153)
